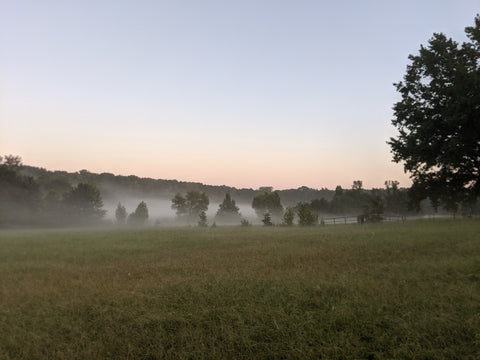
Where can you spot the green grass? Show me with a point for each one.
(389, 291)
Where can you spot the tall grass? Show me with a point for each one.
(398, 291)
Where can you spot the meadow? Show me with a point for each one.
(378, 291)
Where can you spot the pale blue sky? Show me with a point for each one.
(242, 93)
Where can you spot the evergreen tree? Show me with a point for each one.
(228, 211)
(121, 214)
(140, 215)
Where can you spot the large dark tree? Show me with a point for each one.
(228, 210)
(268, 202)
(438, 120)
(84, 203)
(191, 205)
(20, 198)
(139, 216)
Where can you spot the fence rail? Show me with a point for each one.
(359, 219)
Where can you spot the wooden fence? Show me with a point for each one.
(358, 219)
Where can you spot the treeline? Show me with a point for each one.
(367, 205)
(36, 197)
(114, 187)
(25, 202)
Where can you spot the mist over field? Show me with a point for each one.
(161, 209)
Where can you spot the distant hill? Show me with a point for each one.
(116, 186)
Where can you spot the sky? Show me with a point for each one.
(241, 93)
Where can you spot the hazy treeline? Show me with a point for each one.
(32, 196)
(118, 186)
(24, 201)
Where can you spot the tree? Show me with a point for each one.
(357, 185)
(373, 211)
(121, 214)
(438, 121)
(20, 199)
(268, 202)
(320, 205)
(196, 202)
(267, 219)
(228, 210)
(305, 215)
(140, 215)
(395, 198)
(84, 203)
(202, 222)
(179, 205)
(288, 217)
(191, 205)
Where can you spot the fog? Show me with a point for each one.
(160, 210)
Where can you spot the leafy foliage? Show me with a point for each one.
(84, 201)
(191, 205)
(140, 215)
(374, 209)
(288, 217)
(267, 219)
(202, 222)
(438, 120)
(305, 215)
(268, 202)
(121, 214)
(20, 199)
(228, 210)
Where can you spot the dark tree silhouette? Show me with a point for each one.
(121, 214)
(268, 202)
(140, 215)
(438, 121)
(228, 210)
(84, 202)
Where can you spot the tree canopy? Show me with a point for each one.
(268, 202)
(121, 214)
(140, 215)
(191, 205)
(438, 121)
(228, 210)
(85, 201)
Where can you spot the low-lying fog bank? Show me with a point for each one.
(160, 210)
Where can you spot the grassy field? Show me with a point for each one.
(386, 291)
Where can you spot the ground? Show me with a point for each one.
(378, 291)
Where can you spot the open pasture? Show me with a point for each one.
(386, 291)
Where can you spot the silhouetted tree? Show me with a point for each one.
(267, 219)
(20, 199)
(140, 215)
(288, 217)
(268, 202)
(245, 222)
(320, 205)
(121, 214)
(373, 211)
(179, 204)
(84, 203)
(202, 222)
(305, 215)
(395, 199)
(438, 121)
(228, 210)
(191, 205)
(357, 185)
